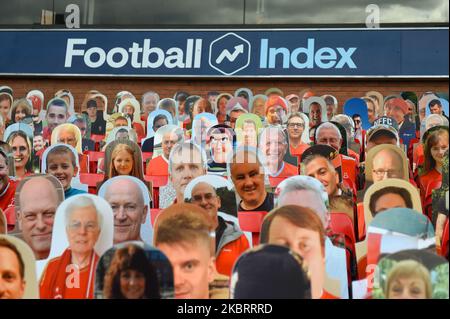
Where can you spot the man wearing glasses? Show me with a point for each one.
(387, 164)
(230, 241)
(295, 128)
(79, 260)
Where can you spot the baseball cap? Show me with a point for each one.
(237, 104)
(292, 96)
(91, 103)
(35, 102)
(6, 89)
(320, 149)
(307, 95)
(275, 100)
(386, 120)
(180, 96)
(381, 129)
(274, 91)
(270, 272)
(409, 96)
(329, 100)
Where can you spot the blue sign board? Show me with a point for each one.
(216, 53)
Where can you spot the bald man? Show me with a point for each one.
(36, 202)
(127, 202)
(387, 164)
(230, 240)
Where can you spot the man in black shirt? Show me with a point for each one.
(82, 123)
(247, 174)
(97, 123)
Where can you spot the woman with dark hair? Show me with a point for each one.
(221, 107)
(436, 144)
(131, 276)
(19, 110)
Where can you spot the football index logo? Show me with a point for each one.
(229, 54)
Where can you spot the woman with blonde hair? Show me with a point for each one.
(408, 279)
(123, 157)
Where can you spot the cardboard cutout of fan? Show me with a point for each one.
(133, 270)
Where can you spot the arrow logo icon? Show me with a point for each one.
(230, 56)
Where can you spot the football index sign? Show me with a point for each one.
(258, 53)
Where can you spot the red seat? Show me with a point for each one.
(428, 207)
(428, 201)
(444, 244)
(410, 153)
(154, 212)
(94, 157)
(274, 181)
(341, 223)
(251, 222)
(10, 215)
(361, 221)
(432, 186)
(157, 180)
(362, 267)
(97, 138)
(421, 160)
(352, 185)
(145, 156)
(91, 180)
(348, 168)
